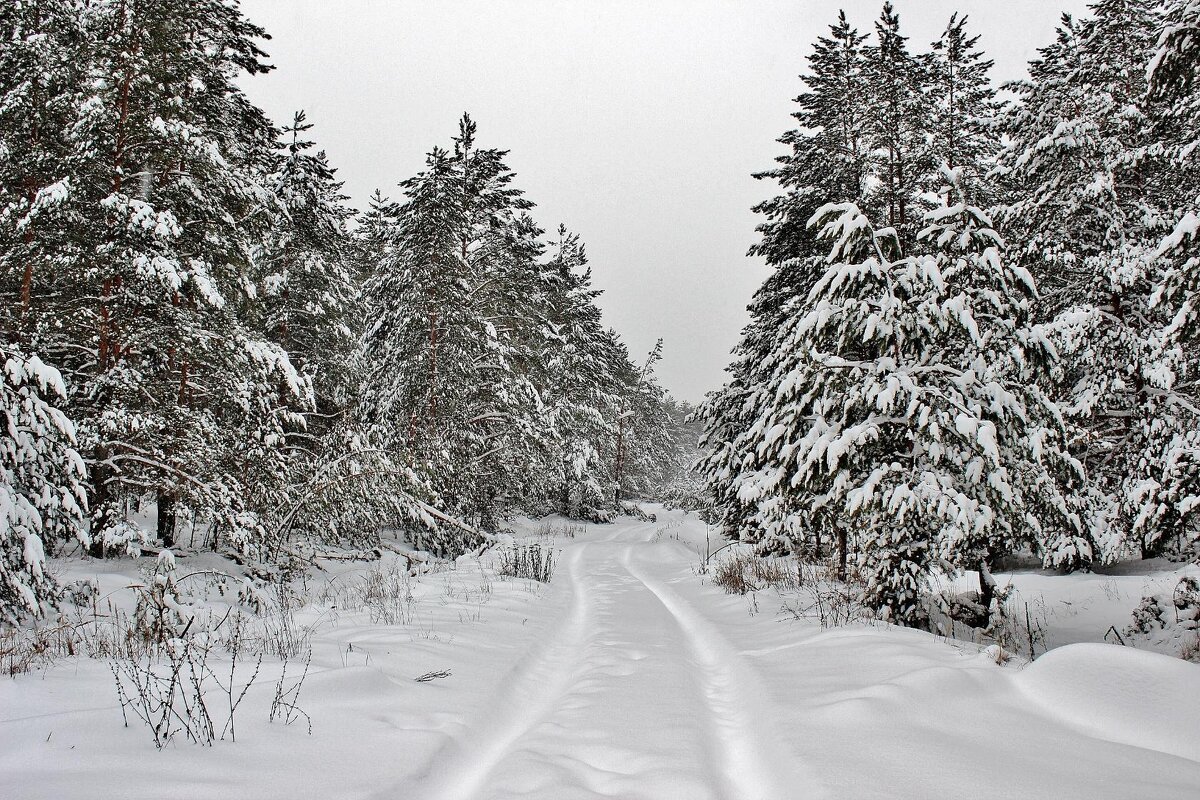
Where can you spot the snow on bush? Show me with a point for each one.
(1169, 622)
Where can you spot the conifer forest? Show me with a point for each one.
(380, 481)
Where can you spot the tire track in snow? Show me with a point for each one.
(754, 766)
(630, 533)
(526, 696)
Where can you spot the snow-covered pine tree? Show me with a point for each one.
(1169, 495)
(444, 349)
(828, 150)
(899, 129)
(829, 160)
(904, 408)
(418, 277)
(641, 430)
(683, 487)
(965, 109)
(42, 493)
(177, 392)
(335, 486)
(581, 393)
(40, 67)
(310, 291)
(1085, 218)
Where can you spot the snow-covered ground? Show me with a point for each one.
(1086, 606)
(632, 676)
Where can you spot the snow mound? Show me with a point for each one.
(1120, 694)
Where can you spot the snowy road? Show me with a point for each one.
(648, 682)
(630, 676)
(633, 695)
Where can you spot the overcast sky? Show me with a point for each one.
(637, 123)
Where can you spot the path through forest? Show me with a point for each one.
(631, 676)
(633, 694)
(649, 684)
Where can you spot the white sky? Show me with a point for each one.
(635, 122)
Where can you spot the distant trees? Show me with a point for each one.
(486, 359)
(932, 393)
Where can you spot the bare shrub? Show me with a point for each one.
(169, 690)
(730, 576)
(26, 649)
(1019, 626)
(828, 601)
(285, 705)
(385, 592)
(549, 530)
(533, 562)
(744, 572)
(282, 636)
(1191, 649)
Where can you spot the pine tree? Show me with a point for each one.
(1169, 493)
(899, 129)
(1085, 221)
(904, 409)
(828, 150)
(178, 394)
(683, 487)
(965, 109)
(311, 292)
(829, 161)
(641, 430)
(40, 71)
(42, 494)
(581, 393)
(444, 350)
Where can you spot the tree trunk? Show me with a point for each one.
(166, 519)
(619, 465)
(987, 588)
(565, 498)
(27, 277)
(99, 497)
(843, 556)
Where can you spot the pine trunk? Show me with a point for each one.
(99, 498)
(166, 519)
(843, 555)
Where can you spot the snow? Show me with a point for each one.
(1082, 606)
(630, 675)
(1120, 694)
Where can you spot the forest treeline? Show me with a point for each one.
(194, 321)
(979, 338)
